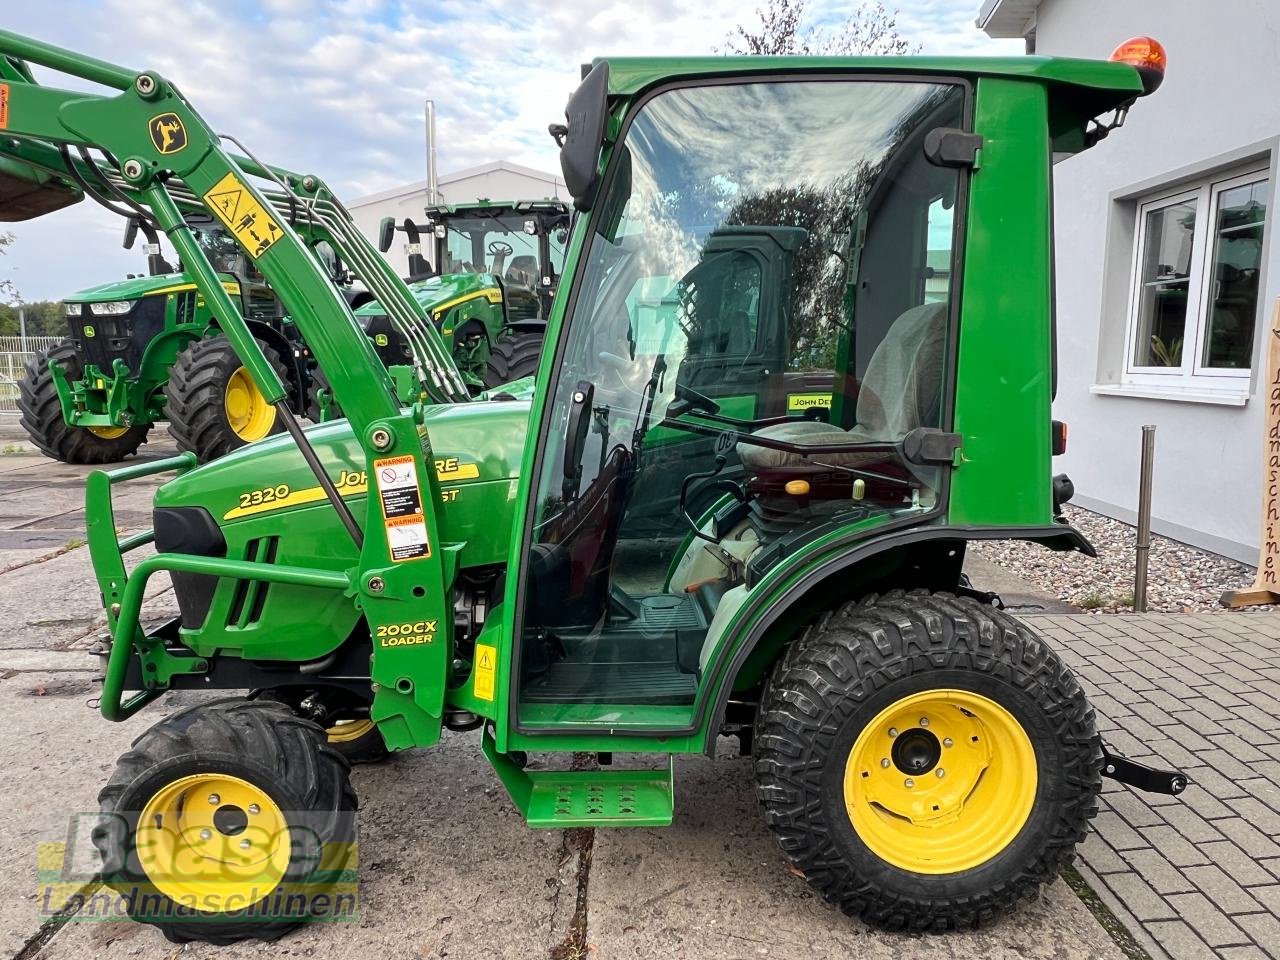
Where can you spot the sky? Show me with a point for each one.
(337, 87)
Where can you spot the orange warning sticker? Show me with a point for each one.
(401, 498)
(4, 106)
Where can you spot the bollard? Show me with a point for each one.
(1144, 518)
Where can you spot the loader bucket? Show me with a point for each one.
(26, 193)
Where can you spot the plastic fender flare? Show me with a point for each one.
(774, 604)
(297, 375)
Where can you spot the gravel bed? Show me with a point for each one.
(1180, 578)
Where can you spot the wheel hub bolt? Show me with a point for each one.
(214, 799)
(885, 763)
(893, 731)
(924, 721)
(244, 844)
(948, 742)
(206, 834)
(909, 783)
(254, 809)
(940, 772)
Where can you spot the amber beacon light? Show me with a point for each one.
(1147, 56)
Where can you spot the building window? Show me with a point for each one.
(1194, 303)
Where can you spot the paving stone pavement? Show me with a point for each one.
(1198, 875)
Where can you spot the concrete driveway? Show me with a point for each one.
(447, 867)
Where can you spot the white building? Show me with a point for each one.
(500, 180)
(1167, 273)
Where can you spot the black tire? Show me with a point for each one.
(320, 382)
(366, 747)
(513, 357)
(260, 742)
(852, 664)
(196, 393)
(42, 414)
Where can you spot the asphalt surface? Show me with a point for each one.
(447, 866)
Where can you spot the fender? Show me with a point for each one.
(297, 379)
(769, 619)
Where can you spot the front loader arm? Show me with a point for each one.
(154, 139)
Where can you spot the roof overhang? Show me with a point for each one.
(1008, 18)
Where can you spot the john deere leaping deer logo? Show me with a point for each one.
(167, 132)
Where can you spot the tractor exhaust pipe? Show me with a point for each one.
(433, 194)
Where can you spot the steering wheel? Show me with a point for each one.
(497, 247)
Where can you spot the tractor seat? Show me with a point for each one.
(900, 392)
(523, 271)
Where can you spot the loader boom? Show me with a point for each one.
(162, 158)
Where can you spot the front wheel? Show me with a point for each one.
(232, 820)
(926, 761)
(41, 412)
(212, 403)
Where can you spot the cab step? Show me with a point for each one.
(559, 799)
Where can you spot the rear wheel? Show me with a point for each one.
(42, 415)
(233, 820)
(926, 761)
(512, 357)
(315, 414)
(213, 405)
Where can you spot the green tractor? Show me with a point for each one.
(925, 759)
(148, 348)
(488, 286)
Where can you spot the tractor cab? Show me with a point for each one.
(758, 355)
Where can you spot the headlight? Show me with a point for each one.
(111, 308)
(72, 309)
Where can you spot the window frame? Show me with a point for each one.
(1191, 373)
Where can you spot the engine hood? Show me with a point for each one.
(476, 447)
(135, 288)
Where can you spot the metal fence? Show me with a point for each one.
(15, 354)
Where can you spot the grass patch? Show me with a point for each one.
(1109, 922)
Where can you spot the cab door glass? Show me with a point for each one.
(762, 316)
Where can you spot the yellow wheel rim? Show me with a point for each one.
(941, 781)
(348, 731)
(248, 412)
(108, 433)
(213, 841)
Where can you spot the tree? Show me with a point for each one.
(45, 318)
(8, 292)
(782, 29)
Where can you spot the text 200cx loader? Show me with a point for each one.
(806, 309)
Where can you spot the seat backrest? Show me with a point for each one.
(523, 270)
(902, 388)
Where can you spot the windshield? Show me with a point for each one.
(492, 244)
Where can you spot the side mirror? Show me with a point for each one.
(130, 232)
(386, 233)
(583, 134)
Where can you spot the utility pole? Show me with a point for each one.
(22, 328)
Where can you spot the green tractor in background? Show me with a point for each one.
(488, 286)
(148, 348)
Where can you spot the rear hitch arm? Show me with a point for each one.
(1142, 777)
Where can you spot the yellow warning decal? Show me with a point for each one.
(4, 106)
(807, 401)
(235, 206)
(485, 671)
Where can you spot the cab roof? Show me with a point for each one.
(1100, 84)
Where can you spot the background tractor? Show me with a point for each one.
(489, 284)
(925, 759)
(149, 349)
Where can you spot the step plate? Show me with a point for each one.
(601, 798)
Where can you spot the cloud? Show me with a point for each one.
(338, 88)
